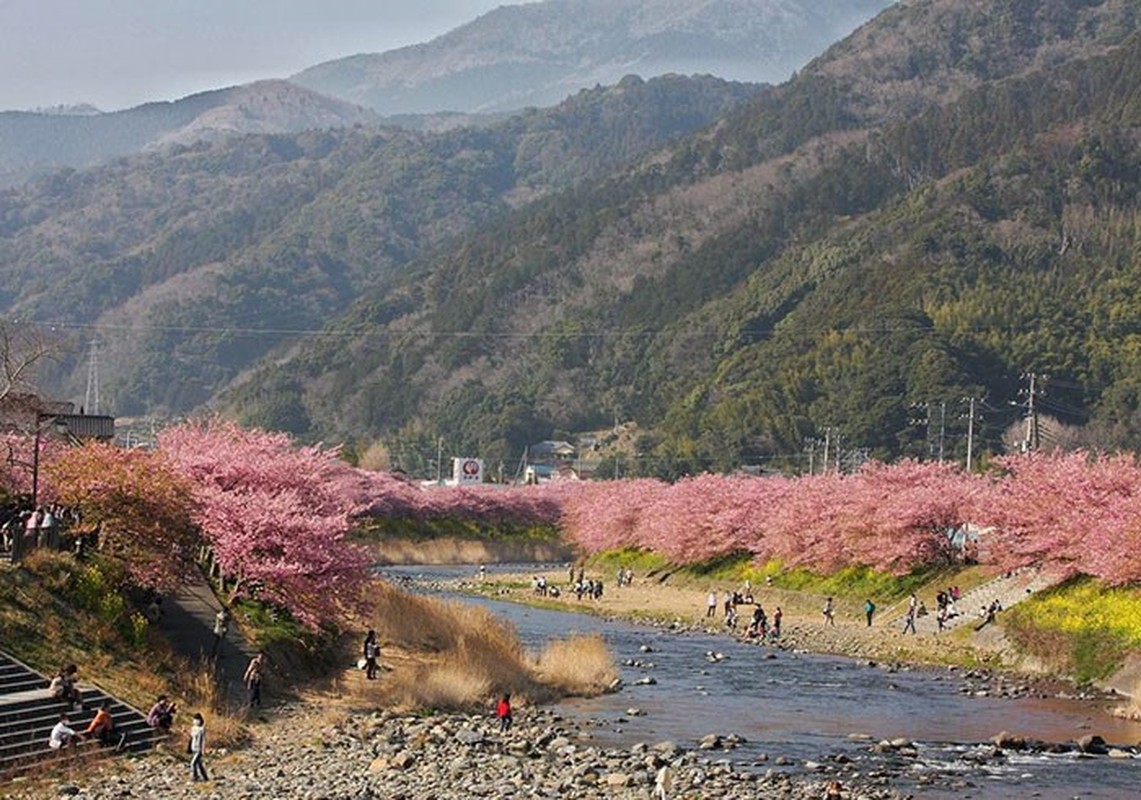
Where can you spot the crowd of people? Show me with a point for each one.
(26, 528)
(64, 736)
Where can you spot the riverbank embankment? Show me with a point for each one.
(683, 604)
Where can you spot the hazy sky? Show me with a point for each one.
(119, 53)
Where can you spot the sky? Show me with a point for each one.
(119, 53)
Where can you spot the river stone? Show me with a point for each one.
(1117, 752)
(469, 737)
(710, 741)
(1008, 741)
(635, 712)
(618, 780)
(1093, 744)
(379, 764)
(403, 760)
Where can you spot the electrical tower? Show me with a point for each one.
(91, 398)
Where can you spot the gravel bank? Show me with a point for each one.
(303, 753)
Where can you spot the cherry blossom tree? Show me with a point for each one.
(1070, 512)
(276, 515)
(141, 506)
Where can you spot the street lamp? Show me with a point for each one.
(60, 427)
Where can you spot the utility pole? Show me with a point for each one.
(1032, 441)
(942, 427)
(439, 458)
(838, 437)
(827, 444)
(970, 431)
(810, 445)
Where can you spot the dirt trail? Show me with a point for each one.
(803, 624)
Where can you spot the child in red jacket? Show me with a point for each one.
(503, 711)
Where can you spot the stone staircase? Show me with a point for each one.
(28, 713)
(1009, 589)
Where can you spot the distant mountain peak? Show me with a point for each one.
(69, 110)
(535, 54)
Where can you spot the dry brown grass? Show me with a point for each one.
(455, 550)
(450, 655)
(577, 666)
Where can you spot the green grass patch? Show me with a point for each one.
(425, 530)
(851, 582)
(1081, 627)
(642, 562)
(858, 581)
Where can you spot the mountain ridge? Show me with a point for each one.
(652, 282)
(535, 54)
(34, 143)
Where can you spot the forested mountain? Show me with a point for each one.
(193, 262)
(35, 142)
(534, 54)
(937, 205)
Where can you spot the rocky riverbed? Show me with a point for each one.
(305, 753)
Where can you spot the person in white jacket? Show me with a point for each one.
(197, 748)
(663, 783)
(63, 735)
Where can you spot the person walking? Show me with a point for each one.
(869, 610)
(829, 612)
(221, 626)
(663, 782)
(253, 678)
(912, 612)
(503, 712)
(197, 748)
(711, 605)
(371, 654)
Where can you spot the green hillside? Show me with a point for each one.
(936, 206)
(192, 263)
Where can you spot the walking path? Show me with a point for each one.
(188, 623)
(1008, 589)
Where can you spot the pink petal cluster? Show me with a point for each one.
(276, 515)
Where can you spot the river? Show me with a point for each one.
(810, 708)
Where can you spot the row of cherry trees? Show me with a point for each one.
(1072, 513)
(275, 517)
(278, 517)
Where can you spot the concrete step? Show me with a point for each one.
(28, 714)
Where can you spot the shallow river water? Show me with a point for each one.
(807, 708)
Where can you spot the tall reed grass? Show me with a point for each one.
(458, 656)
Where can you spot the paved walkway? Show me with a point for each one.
(1009, 589)
(188, 623)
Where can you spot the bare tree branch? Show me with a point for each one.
(21, 347)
